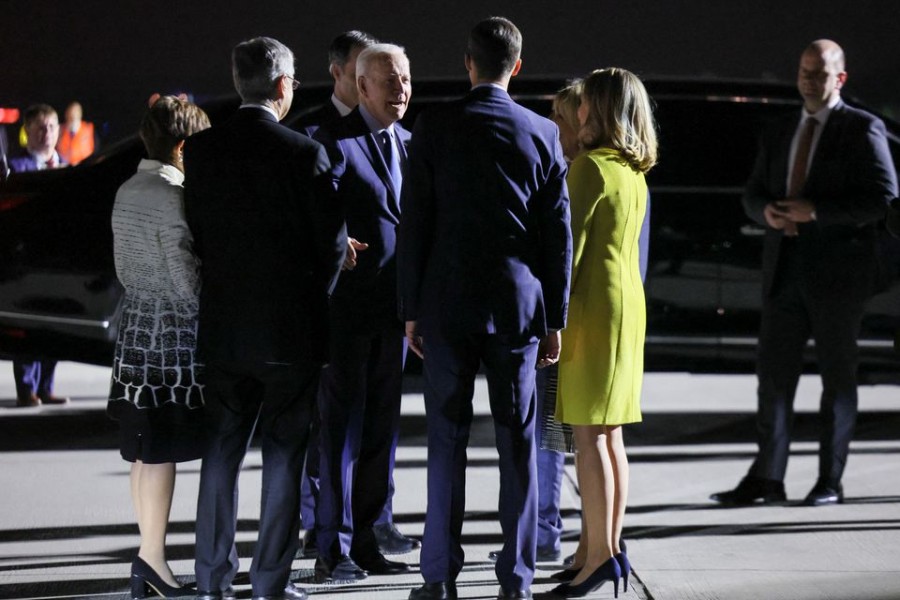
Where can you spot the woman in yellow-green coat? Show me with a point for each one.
(602, 359)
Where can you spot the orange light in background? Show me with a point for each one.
(9, 115)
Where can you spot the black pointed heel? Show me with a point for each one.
(145, 580)
(565, 575)
(608, 571)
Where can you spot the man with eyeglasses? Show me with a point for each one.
(271, 241)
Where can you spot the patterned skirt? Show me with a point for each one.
(554, 435)
(157, 386)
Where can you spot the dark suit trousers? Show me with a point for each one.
(791, 314)
(277, 400)
(34, 377)
(450, 370)
(359, 411)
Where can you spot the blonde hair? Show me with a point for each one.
(565, 104)
(619, 116)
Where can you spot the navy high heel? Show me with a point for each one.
(624, 565)
(607, 571)
(144, 579)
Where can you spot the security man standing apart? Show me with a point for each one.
(821, 181)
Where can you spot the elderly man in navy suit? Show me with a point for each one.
(821, 182)
(34, 377)
(484, 257)
(272, 240)
(359, 395)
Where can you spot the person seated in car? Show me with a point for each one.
(34, 376)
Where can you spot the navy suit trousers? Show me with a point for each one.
(359, 412)
(450, 368)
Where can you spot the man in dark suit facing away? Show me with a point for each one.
(359, 394)
(821, 181)
(484, 255)
(271, 241)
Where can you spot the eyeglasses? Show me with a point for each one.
(295, 83)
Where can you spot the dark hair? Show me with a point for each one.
(168, 121)
(494, 46)
(343, 45)
(257, 65)
(35, 111)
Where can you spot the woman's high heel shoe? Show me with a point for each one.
(144, 579)
(565, 575)
(624, 567)
(607, 571)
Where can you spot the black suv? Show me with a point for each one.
(59, 297)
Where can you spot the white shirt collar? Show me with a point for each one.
(342, 108)
(268, 109)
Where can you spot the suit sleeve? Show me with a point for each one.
(327, 217)
(556, 242)
(416, 229)
(871, 181)
(757, 193)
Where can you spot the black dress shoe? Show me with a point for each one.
(751, 489)
(391, 541)
(434, 591)
(513, 594)
(543, 555)
(51, 399)
(223, 595)
(345, 570)
(28, 401)
(823, 494)
(379, 565)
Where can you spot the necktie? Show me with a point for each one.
(51, 162)
(391, 159)
(801, 158)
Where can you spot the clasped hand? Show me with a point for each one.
(785, 214)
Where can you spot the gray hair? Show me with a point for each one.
(256, 66)
(377, 52)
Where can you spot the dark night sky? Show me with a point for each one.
(112, 54)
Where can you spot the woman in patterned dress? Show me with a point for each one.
(156, 392)
(601, 361)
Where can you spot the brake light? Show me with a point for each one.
(9, 115)
(11, 202)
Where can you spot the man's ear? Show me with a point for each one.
(516, 67)
(841, 79)
(280, 89)
(468, 61)
(361, 86)
(335, 71)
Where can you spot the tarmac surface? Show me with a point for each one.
(67, 530)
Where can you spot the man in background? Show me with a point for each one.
(76, 137)
(821, 182)
(34, 376)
